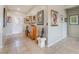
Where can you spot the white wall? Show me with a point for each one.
(1, 25)
(16, 26)
(17, 22)
(56, 33)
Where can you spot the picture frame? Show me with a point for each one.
(34, 19)
(62, 18)
(54, 18)
(30, 19)
(40, 17)
(9, 19)
(4, 17)
(74, 19)
(66, 19)
(26, 20)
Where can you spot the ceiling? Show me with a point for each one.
(21, 8)
(69, 6)
(27, 8)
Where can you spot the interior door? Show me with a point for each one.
(73, 30)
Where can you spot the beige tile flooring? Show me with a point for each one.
(22, 45)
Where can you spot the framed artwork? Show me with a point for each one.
(66, 19)
(4, 17)
(9, 19)
(26, 19)
(73, 19)
(62, 19)
(30, 19)
(40, 17)
(54, 18)
(34, 19)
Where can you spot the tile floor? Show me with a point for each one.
(19, 44)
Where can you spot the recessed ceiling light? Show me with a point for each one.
(18, 9)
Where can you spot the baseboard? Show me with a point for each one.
(14, 34)
(49, 45)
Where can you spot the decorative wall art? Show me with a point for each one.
(26, 20)
(4, 17)
(66, 19)
(9, 19)
(62, 19)
(34, 19)
(40, 17)
(74, 19)
(54, 18)
(30, 20)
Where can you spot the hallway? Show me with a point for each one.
(21, 44)
(51, 23)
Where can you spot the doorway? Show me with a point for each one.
(73, 29)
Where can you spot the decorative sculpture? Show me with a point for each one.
(27, 31)
(42, 32)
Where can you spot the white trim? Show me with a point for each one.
(54, 42)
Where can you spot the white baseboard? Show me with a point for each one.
(14, 34)
(54, 42)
